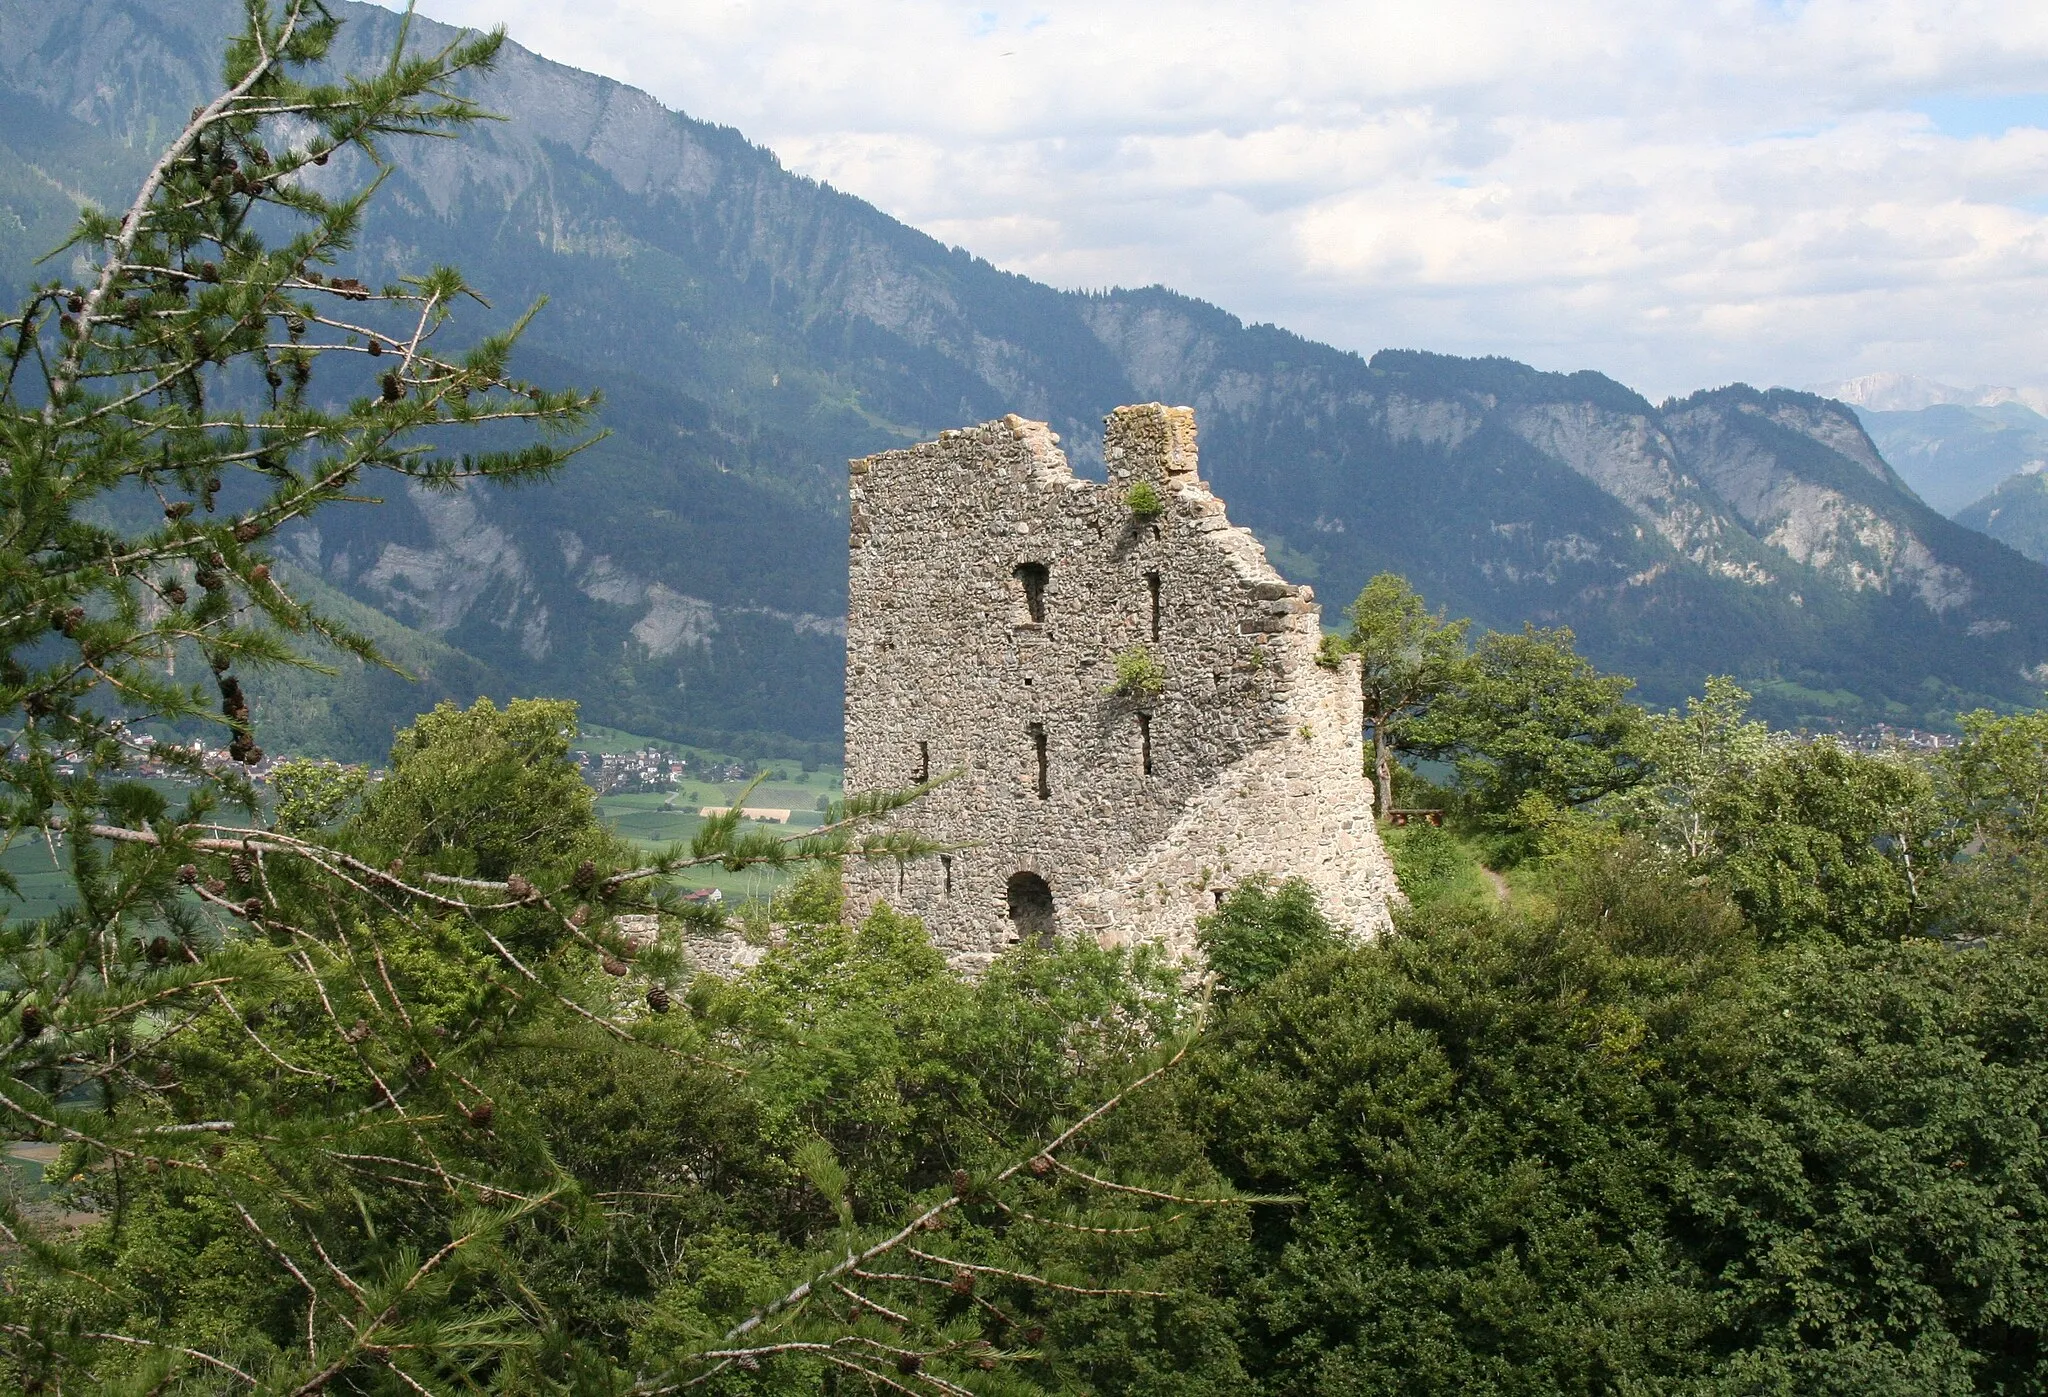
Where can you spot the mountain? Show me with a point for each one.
(1952, 446)
(1954, 454)
(2016, 514)
(1897, 392)
(752, 329)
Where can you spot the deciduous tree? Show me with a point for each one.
(1529, 722)
(1407, 657)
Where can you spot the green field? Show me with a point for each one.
(650, 820)
(45, 886)
(654, 820)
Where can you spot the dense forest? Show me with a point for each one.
(1700, 1059)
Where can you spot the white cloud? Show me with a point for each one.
(1676, 193)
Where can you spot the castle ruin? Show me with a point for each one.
(994, 602)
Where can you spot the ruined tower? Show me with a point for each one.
(993, 601)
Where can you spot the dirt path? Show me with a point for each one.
(1500, 884)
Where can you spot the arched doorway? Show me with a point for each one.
(1031, 907)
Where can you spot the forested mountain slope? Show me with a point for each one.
(1954, 454)
(2016, 513)
(752, 329)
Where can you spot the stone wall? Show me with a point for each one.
(991, 593)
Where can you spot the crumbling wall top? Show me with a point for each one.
(1151, 441)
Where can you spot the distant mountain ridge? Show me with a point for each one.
(1956, 447)
(1899, 392)
(752, 329)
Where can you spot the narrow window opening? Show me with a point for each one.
(924, 764)
(1145, 741)
(1217, 893)
(1152, 585)
(1032, 578)
(1043, 780)
(900, 877)
(946, 866)
(1031, 908)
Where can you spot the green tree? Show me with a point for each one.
(269, 1052)
(1407, 657)
(444, 1120)
(1693, 757)
(1478, 1115)
(1606, 1142)
(1260, 930)
(1997, 787)
(1533, 728)
(1867, 1177)
(1821, 842)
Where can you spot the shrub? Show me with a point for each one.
(1260, 931)
(1144, 500)
(1138, 674)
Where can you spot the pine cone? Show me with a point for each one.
(238, 864)
(248, 531)
(909, 1363)
(518, 887)
(962, 1282)
(215, 886)
(158, 950)
(614, 966)
(260, 573)
(1040, 1166)
(31, 1021)
(481, 1114)
(253, 908)
(580, 915)
(187, 874)
(657, 999)
(358, 1033)
(585, 875)
(1035, 1334)
(961, 1181)
(175, 595)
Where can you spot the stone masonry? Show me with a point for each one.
(990, 595)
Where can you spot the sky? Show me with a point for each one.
(1678, 194)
